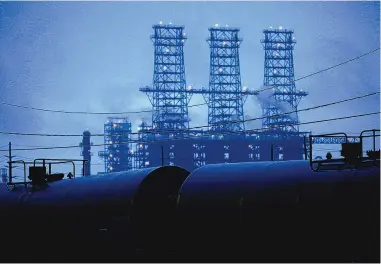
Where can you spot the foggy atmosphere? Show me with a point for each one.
(113, 113)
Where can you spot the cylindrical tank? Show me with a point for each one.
(77, 219)
(279, 212)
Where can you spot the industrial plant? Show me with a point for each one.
(173, 192)
(170, 140)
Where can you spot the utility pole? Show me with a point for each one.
(10, 161)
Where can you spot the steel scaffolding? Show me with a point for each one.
(283, 97)
(168, 95)
(225, 91)
(117, 153)
(141, 153)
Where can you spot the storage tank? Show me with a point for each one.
(97, 217)
(279, 212)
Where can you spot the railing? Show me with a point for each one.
(352, 158)
(42, 161)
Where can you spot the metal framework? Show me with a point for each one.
(279, 74)
(225, 91)
(225, 97)
(86, 151)
(168, 95)
(141, 153)
(117, 153)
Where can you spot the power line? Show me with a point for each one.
(195, 105)
(337, 65)
(197, 127)
(217, 133)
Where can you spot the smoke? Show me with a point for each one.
(251, 124)
(266, 97)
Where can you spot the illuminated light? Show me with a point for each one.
(184, 34)
(220, 69)
(278, 44)
(280, 27)
(224, 43)
(115, 125)
(226, 25)
(161, 22)
(170, 23)
(293, 37)
(110, 168)
(141, 145)
(164, 68)
(110, 142)
(244, 88)
(166, 50)
(216, 25)
(182, 41)
(110, 155)
(189, 87)
(271, 27)
(275, 71)
(146, 163)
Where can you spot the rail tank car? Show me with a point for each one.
(94, 218)
(280, 212)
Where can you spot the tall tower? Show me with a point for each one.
(86, 151)
(225, 91)
(279, 74)
(117, 139)
(168, 95)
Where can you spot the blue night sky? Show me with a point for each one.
(94, 56)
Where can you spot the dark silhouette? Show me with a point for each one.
(329, 156)
(70, 175)
(373, 154)
(351, 152)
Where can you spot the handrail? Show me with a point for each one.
(64, 161)
(43, 162)
(29, 162)
(343, 163)
(374, 137)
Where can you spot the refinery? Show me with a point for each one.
(170, 140)
(173, 192)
